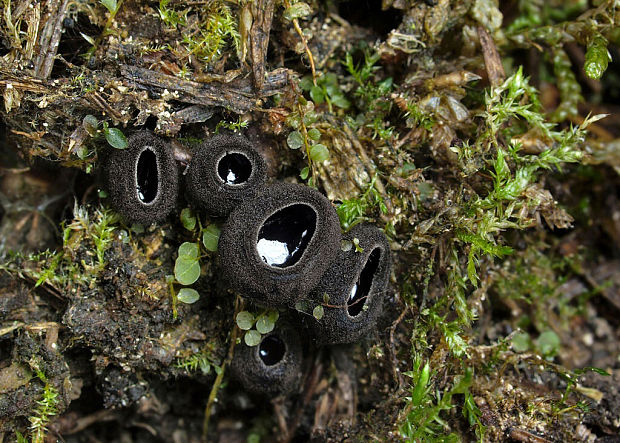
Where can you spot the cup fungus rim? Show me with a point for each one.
(284, 354)
(259, 225)
(234, 186)
(368, 298)
(153, 150)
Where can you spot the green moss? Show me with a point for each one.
(478, 222)
(597, 57)
(203, 360)
(206, 29)
(46, 408)
(372, 96)
(353, 211)
(88, 236)
(423, 420)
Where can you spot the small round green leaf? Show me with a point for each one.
(521, 342)
(188, 219)
(319, 153)
(346, 245)
(245, 320)
(211, 237)
(205, 367)
(252, 338)
(186, 270)
(341, 101)
(331, 80)
(294, 120)
(295, 140)
(310, 117)
(304, 173)
(318, 312)
(90, 123)
(314, 134)
(298, 10)
(303, 306)
(189, 250)
(317, 95)
(123, 236)
(548, 343)
(115, 138)
(264, 324)
(82, 152)
(306, 83)
(188, 295)
(273, 316)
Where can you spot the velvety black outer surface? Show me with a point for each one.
(337, 326)
(119, 172)
(267, 285)
(207, 190)
(259, 378)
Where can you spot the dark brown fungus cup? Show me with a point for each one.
(224, 171)
(275, 247)
(143, 179)
(354, 287)
(273, 367)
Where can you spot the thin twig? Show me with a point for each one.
(287, 3)
(45, 61)
(220, 376)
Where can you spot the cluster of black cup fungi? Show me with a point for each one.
(281, 244)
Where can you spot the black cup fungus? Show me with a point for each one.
(355, 285)
(143, 179)
(224, 171)
(275, 247)
(273, 367)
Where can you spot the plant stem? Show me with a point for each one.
(304, 41)
(106, 28)
(220, 376)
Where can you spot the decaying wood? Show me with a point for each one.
(24, 83)
(98, 102)
(50, 38)
(492, 60)
(237, 96)
(526, 436)
(262, 11)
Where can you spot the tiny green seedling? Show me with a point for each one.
(256, 325)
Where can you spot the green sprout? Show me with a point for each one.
(256, 325)
(187, 264)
